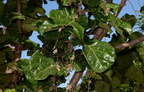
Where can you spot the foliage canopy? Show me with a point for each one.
(114, 66)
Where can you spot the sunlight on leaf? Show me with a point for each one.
(99, 55)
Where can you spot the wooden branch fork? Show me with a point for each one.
(77, 75)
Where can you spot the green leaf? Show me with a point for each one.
(135, 74)
(100, 16)
(29, 27)
(8, 53)
(142, 27)
(106, 6)
(3, 69)
(129, 19)
(62, 17)
(82, 20)
(116, 40)
(112, 6)
(38, 67)
(40, 11)
(92, 3)
(135, 35)
(46, 26)
(1, 6)
(115, 82)
(76, 66)
(118, 24)
(140, 50)
(78, 31)
(79, 62)
(99, 55)
(18, 16)
(31, 6)
(105, 26)
(6, 19)
(2, 57)
(101, 86)
(119, 30)
(142, 10)
(30, 45)
(65, 2)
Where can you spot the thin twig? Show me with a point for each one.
(121, 5)
(133, 8)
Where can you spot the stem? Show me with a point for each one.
(109, 1)
(73, 82)
(19, 22)
(121, 5)
(128, 44)
(16, 75)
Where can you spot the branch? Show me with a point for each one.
(109, 1)
(121, 5)
(73, 82)
(128, 44)
(19, 22)
(16, 75)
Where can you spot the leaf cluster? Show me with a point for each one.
(72, 25)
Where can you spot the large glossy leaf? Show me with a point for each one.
(62, 17)
(129, 19)
(38, 67)
(99, 55)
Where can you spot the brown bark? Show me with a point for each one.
(121, 5)
(109, 1)
(128, 44)
(16, 75)
(73, 82)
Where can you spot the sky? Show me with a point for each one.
(130, 8)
